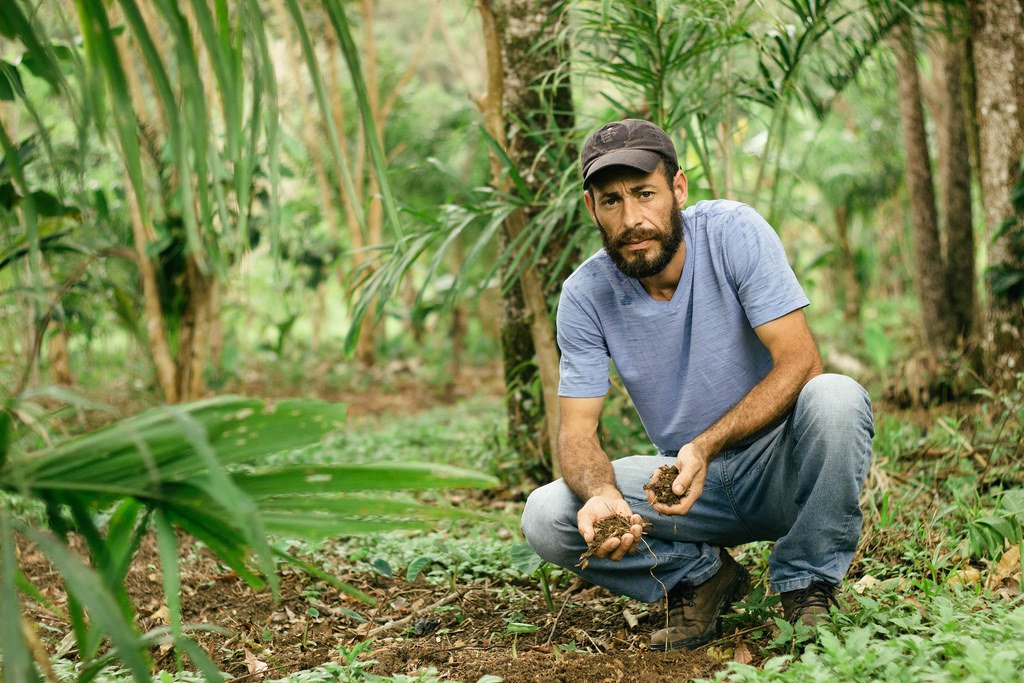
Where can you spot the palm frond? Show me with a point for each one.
(200, 467)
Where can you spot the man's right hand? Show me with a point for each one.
(605, 505)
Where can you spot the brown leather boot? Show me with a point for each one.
(809, 606)
(694, 611)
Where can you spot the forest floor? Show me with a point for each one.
(452, 604)
(482, 627)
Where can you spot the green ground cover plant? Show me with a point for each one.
(933, 594)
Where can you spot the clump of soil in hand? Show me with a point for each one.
(662, 485)
(615, 525)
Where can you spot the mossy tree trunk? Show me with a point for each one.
(527, 106)
(997, 35)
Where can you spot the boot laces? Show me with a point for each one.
(818, 594)
(681, 598)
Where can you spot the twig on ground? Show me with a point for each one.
(451, 597)
(557, 617)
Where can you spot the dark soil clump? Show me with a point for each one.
(615, 525)
(662, 486)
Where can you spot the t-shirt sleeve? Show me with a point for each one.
(583, 369)
(767, 287)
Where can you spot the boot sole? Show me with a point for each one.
(736, 591)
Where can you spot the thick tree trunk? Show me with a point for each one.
(948, 96)
(954, 167)
(997, 33)
(520, 95)
(929, 264)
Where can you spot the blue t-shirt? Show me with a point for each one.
(686, 361)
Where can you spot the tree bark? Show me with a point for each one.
(852, 294)
(194, 331)
(522, 99)
(59, 356)
(929, 264)
(954, 166)
(997, 34)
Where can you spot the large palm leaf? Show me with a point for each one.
(200, 467)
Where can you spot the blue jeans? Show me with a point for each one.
(798, 485)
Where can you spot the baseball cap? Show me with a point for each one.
(631, 142)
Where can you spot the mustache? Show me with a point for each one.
(634, 235)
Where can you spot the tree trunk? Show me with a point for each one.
(954, 166)
(58, 355)
(194, 331)
(522, 100)
(929, 265)
(997, 33)
(848, 263)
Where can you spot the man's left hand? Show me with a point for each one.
(692, 464)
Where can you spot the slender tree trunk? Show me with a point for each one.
(193, 332)
(520, 95)
(997, 34)
(929, 265)
(851, 285)
(59, 356)
(215, 333)
(152, 311)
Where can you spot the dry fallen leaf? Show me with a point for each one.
(968, 576)
(1006, 578)
(742, 654)
(866, 583)
(253, 664)
(1008, 566)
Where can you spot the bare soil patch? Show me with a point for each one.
(593, 635)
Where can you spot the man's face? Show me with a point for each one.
(638, 216)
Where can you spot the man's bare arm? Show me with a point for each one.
(587, 470)
(795, 361)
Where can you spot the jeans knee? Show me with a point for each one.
(530, 522)
(836, 402)
(539, 525)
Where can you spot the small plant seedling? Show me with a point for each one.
(515, 628)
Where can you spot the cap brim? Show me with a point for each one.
(640, 159)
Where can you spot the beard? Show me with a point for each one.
(652, 261)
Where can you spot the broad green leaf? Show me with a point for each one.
(15, 24)
(381, 476)
(1013, 501)
(417, 566)
(524, 559)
